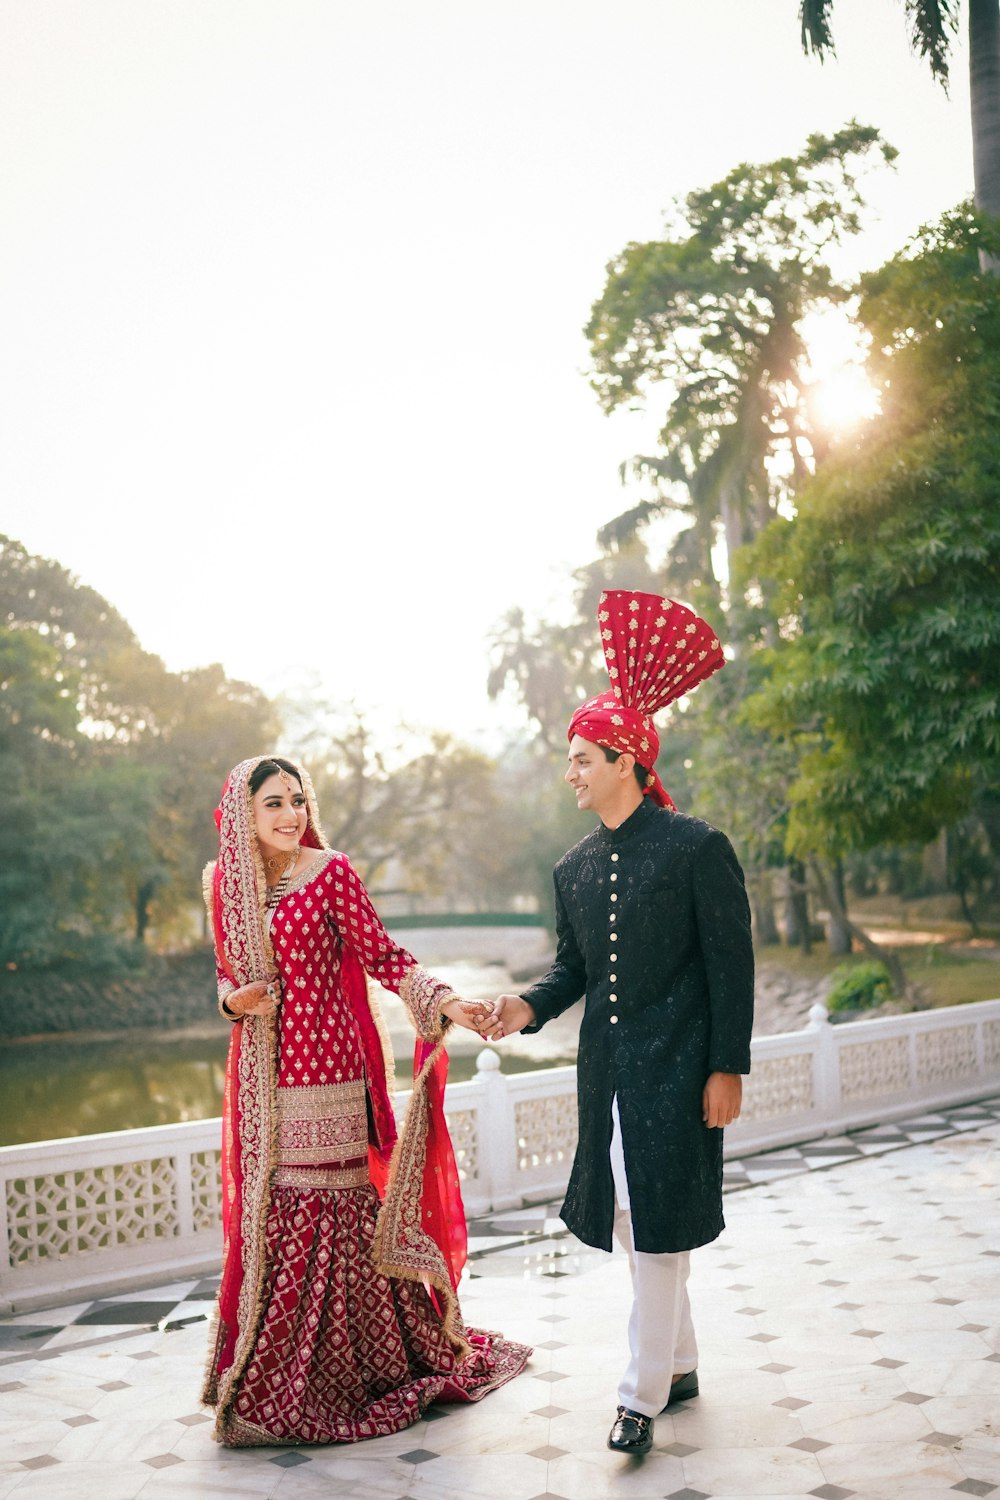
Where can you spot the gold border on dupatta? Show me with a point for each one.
(402, 1247)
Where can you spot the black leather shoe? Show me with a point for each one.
(631, 1432)
(683, 1389)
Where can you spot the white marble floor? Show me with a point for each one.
(849, 1322)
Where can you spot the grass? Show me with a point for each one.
(945, 978)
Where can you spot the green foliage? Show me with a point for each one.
(739, 779)
(89, 636)
(37, 695)
(711, 318)
(861, 707)
(885, 589)
(859, 986)
(111, 765)
(931, 24)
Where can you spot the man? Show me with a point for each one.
(653, 927)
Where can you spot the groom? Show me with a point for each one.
(653, 928)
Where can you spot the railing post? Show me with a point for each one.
(981, 1047)
(497, 1144)
(184, 1190)
(826, 1065)
(6, 1258)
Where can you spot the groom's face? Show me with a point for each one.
(596, 781)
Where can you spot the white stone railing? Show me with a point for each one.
(99, 1213)
(828, 1079)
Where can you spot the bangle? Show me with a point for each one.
(232, 1015)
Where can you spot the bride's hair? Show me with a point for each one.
(271, 767)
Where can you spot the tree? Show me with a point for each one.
(885, 588)
(91, 638)
(77, 826)
(933, 24)
(421, 813)
(112, 765)
(712, 316)
(552, 667)
(37, 697)
(200, 724)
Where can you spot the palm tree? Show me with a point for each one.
(932, 25)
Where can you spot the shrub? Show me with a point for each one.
(859, 986)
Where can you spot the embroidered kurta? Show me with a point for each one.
(653, 927)
(329, 1348)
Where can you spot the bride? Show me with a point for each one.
(337, 1318)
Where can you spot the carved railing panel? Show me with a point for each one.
(206, 1189)
(546, 1130)
(991, 1046)
(463, 1127)
(84, 1211)
(103, 1211)
(868, 1069)
(778, 1086)
(945, 1054)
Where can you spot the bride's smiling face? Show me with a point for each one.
(279, 812)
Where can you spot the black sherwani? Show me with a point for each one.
(653, 926)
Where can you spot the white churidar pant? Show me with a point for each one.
(661, 1337)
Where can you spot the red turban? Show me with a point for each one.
(656, 650)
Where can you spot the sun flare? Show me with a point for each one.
(839, 393)
(842, 399)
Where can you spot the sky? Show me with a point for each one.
(292, 294)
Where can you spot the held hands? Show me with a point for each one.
(509, 1014)
(468, 1013)
(504, 1016)
(721, 1099)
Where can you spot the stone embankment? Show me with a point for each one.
(168, 993)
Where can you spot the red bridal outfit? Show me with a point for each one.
(337, 1317)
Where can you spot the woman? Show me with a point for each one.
(337, 1318)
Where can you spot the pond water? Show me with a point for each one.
(80, 1085)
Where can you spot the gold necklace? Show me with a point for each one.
(276, 891)
(273, 865)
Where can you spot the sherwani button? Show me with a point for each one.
(614, 877)
(614, 857)
(613, 978)
(614, 1020)
(613, 999)
(614, 898)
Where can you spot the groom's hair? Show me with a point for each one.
(637, 770)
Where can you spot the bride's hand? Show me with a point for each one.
(467, 1013)
(261, 998)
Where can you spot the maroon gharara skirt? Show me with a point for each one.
(343, 1352)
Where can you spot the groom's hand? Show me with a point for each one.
(721, 1100)
(509, 1014)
